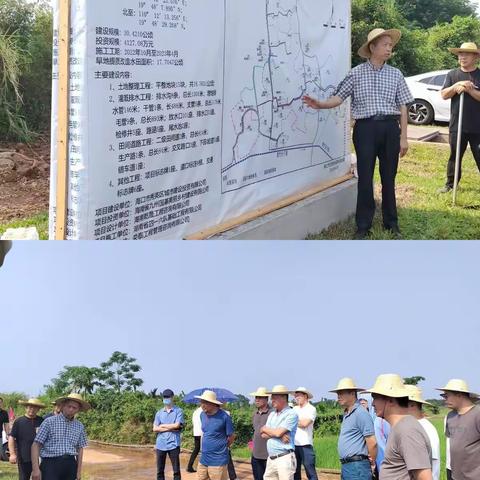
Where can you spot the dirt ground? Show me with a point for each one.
(117, 464)
(24, 179)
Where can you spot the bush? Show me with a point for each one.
(25, 68)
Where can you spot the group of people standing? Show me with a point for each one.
(397, 442)
(380, 99)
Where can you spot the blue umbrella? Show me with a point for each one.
(223, 395)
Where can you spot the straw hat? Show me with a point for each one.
(395, 35)
(415, 394)
(261, 392)
(346, 384)
(305, 391)
(389, 385)
(209, 396)
(458, 385)
(76, 397)
(280, 390)
(468, 47)
(32, 402)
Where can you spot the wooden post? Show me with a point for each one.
(63, 117)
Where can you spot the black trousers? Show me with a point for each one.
(232, 474)
(449, 474)
(305, 456)
(59, 468)
(258, 468)
(196, 451)
(472, 139)
(174, 456)
(24, 470)
(374, 139)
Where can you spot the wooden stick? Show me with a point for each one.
(260, 212)
(62, 127)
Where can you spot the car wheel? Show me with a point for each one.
(420, 112)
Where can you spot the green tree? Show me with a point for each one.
(370, 14)
(427, 13)
(413, 380)
(453, 34)
(79, 379)
(119, 372)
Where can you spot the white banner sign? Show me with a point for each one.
(187, 113)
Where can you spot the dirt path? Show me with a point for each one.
(107, 463)
(24, 179)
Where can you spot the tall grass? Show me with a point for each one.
(11, 121)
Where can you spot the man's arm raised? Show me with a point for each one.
(332, 102)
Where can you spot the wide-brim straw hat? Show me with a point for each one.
(389, 385)
(209, 396)
(415, 394)
(346, 383)
(393, 33)
(468, 47)
(305, 391)
(280, 390)
(32, 402)
(261, 392)
(76, 397)
(458, 385)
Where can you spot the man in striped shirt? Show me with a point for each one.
(60, 442)
(379, 103)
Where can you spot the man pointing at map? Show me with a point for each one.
(379, 102)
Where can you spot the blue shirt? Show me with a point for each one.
(216, 430)
(288, 420)
(382, 429)
(168, 440)
(60, 436)
(356, 425)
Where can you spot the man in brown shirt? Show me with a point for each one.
(259, 452)
(463, 430)
(408, 454)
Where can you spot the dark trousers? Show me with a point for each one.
(59, 468)
(306, 457)
(472, 139)
(24, 470)
(449, 474)
(374, 139)
(232, 474)
(258, 468)
(196, 451)
(174, 456)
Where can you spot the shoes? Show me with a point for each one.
(445, 189)
(191, 470)
(361, 234)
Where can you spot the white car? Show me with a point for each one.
(429, 105)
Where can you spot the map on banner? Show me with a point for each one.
(268, 125)
(186, 114)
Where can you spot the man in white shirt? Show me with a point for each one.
(304, 450)
(197, 436)
(415, 408)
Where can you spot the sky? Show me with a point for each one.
(242, 314)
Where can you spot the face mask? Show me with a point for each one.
(167, 401)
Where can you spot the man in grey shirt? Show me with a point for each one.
(408, 454)
(259, 453)
(463, 430)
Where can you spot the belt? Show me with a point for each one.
(355, 458)
(60, 457)
(381, 118)
(274, 457)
